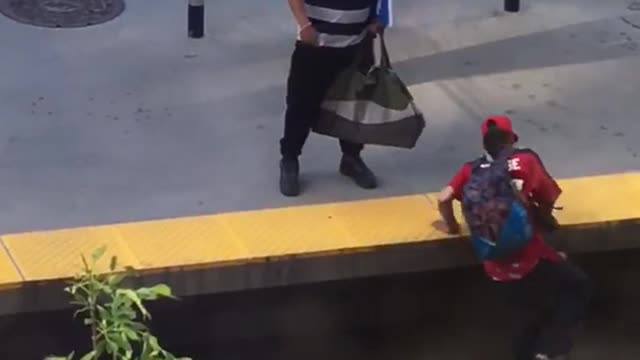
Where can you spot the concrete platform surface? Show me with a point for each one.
(131, 120)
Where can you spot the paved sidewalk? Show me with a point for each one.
(132, 120)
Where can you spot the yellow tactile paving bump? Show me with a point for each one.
(57, 254)
(181, 242)
(9, 275)
(387, 221)
(289, 231)
(599, 199)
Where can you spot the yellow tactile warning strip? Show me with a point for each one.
(600, 199)
(387, 221)
(180, 242)
(288, 231)
(9, 275)
(57, 254)
(295, 231)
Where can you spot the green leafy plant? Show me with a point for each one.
(115, 314)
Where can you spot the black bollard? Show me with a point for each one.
(196, 18)
(511, 5)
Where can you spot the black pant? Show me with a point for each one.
(313, 70)
(548, 303)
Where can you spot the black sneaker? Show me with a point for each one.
(355, 168)
(289, 183)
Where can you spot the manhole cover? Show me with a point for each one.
(62, 13)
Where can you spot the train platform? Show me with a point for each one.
(260, 249)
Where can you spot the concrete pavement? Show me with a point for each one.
(131, 120)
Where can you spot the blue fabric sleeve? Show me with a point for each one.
(384, 12)
(373, 13)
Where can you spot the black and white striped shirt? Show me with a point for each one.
(340, 23)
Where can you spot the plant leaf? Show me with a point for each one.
(84, 262)
(114, 263)
(153, 342)
(139, 326)
(161, 290)
(104, 313)
(115, 279)
(121, 341)
(100, 348)
(98, 253)
(146, 349)
(89, 356)
(154, 292)
(128, 355)
(112, 347)
(133, 296)
(80, 312)
(132, 335)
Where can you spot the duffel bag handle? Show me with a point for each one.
(365, 46)
(385, 61)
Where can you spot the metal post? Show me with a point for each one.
(512, 5)
(196, 18)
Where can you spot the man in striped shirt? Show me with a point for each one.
(330, 34)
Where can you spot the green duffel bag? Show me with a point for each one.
(373, 108)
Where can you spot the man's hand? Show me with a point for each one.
(455, 229)
(306, 32)
(448, 224)
(375, 27)
(451, 229)
(308, 35)
(544, 218)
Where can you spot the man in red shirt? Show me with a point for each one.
(536, 272)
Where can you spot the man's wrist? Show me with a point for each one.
(303, 23)
(304, 26)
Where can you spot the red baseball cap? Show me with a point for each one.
(501, 122)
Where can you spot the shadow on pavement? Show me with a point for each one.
(574, 44)
(581, 43)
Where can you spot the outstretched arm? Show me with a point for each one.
(445, 206)
(451, 192)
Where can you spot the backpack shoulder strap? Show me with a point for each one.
(478, 162)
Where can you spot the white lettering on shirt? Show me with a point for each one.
(514, 164)
(518, 184)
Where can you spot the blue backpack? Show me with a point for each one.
(494, 210)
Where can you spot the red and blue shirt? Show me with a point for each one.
(534, 181)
